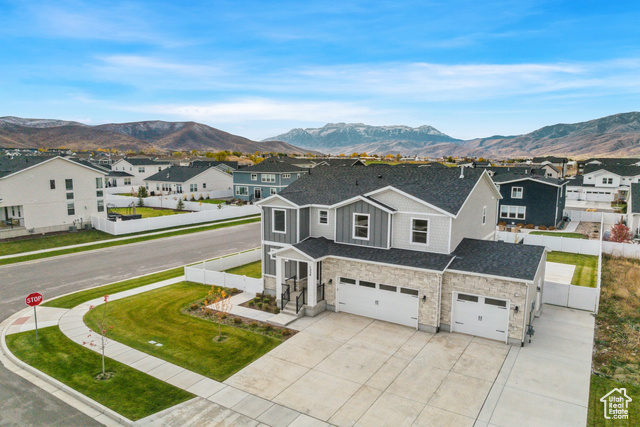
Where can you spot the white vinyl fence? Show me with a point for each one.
(171, 201)
(584, 216)
(149, 224)
(212, 272)
(566, 295)
(562, 244)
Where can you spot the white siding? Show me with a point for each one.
(469, 221)
(321, 230)
(278, 203)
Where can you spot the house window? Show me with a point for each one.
(254, 177)
(99, 193)
(204, 185)
(361, 226)
(242, 191)
(516, 193)
(71, 209)
(512, 212)
(279, 224)
(484, 215)
(268, 177)
(98, 182)
(273, 191)
(100, 205)
(127, 181)
(323, 217)
(52, 184)
(286, 175)
(69, 196)
(607, 180)
(193, 187)
(68, 184)
(420, 231)
(159, 169)
(140, 169)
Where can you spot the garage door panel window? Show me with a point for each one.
(388, 288)
(465, 297)
(408, 291)
(513, 212)
(361, 226)
(347, 281)
(496, 302)
(367, 284)
(420, 231)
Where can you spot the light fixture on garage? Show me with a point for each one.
(515, 310)
(330, 281)
(424, 298)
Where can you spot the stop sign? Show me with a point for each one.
(34, 299)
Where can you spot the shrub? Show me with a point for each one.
(502, 223)
(208, 312)
(276, 310)
(251, 303)
(520, 225)
(530, 226)
(237, 320)
(254, 324)
(259, 295)
(208, 197)
(268, 328)
(259, 304)
(223, 316)
(193, 198)
(201, 198)
(542, 227)
(180, 205)
(194, 306)
(286, 332)
(552, 228)
(257, 299)
(234, 291)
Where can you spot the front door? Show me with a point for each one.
(257, 193)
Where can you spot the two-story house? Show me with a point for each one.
(189, 179)
(559, 163)
(407, 245)
(604, 182)
(47, 194)
(531, 199)
(139, 169)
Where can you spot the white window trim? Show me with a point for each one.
(254, 177)
(516, 188)
(273, 221)
(484, 215)
(353, 226)
(265, 175)
(238, 187)
(513, 206)
(411, 231)
(273, 191)
(320, 216)
(286, 175)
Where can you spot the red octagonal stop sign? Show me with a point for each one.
(34, 299)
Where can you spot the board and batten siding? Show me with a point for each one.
(291, 230)
(304, 223)
(270, 264)
(469, 221)
(408, 209)
(378, 225)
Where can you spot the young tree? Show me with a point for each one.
(180, 205)
(102, 338)
(221, 303)
(142, 191)
(140, 200)
(620, 233)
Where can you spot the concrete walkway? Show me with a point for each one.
(119, 239)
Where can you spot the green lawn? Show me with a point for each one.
(253, 269)
(146, 212)
(601, 386)
(187, 340)
(77, 298)
(54, 241)
(586, 273)
(560, 234)
(130, 392)
(212, 201)
(27, 245)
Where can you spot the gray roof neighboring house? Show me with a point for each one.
(119, 174)
(232, 165)
(145, 162)
(441, 187)
(497, 258)
(511, 177)
(578, 181)
(276, 166)
(179, 173)
(620, 170)
(635, 198)
(551, 159)
(9, 166)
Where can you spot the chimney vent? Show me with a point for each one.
(461, 171)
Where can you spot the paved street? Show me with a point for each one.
(24, 404)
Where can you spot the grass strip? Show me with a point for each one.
(142, 238)
(560, 234)
(253, 269)
(77, 298)
(186, 341)
(146, 212)
(130, 392)
(601, 386)
(586, 272)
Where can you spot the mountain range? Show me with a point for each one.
(613, 136)
(16, 132)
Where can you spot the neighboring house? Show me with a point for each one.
(223, 164)
(531, 199)
(633, 210)
(559, 163)
(546, 171)
(608, 161)
(412, 246)
(189, 179)
(46, 194)
(139, 168)
(604, 182)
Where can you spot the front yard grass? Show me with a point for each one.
(77, 298)
(560, 234)
(53, 241)
(186, 341)
(130, 392)
(586, 273)
(253, 269)
(146, 212)
(616, 356)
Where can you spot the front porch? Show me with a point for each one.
(11, 219)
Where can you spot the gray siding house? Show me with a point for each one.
(413, 246)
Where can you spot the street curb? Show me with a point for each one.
(72, 396)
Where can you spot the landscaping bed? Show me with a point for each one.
(264, 303)
(129, 392)
(586, 272)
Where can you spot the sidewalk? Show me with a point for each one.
(216, 401)
(99, 242)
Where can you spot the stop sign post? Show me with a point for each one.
(34, 300)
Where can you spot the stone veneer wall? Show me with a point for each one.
(426, 282)
(514, 291)
(269, 285)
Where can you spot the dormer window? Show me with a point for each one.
(516, 192)
(361, 226)
(323, 217)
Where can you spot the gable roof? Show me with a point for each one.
(620, 170)
(635, 198)
(514, 177)
(9, 166)
(551, 159)
(179, 173)
(497, 258)
(233, 165)
(144, 162)
(439, 187)
(274, 165)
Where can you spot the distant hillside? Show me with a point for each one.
(612, 136)
(349, 137)
(170, 136)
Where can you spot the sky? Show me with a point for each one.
(260, 68)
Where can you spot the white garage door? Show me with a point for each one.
(380, 301)
(481, 316)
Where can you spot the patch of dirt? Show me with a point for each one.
(591, 229)
(104, 377)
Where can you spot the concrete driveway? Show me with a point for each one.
(351, 370)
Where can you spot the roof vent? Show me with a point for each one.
(461, 171)
(356, 182)
(379, 176)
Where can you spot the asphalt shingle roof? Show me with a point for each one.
(439, 187)
(497, 258)
(270, 165)
(146, 162)
(233, 165)
(635, 198)
(514, 176)
(10, 166)
(320, 247)
(621, 170)
(551, 159)
(177, 173)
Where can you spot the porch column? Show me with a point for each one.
(279, 273)
(312, 286)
